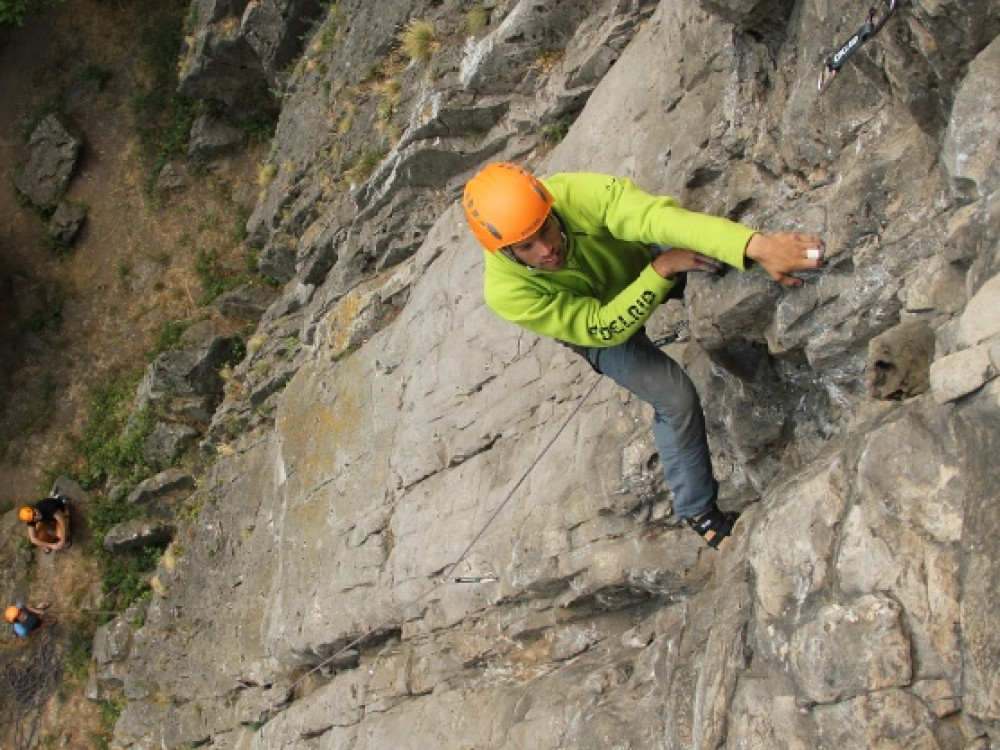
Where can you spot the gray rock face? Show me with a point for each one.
(211, 137)
(161, 485)
(248, 302)
(138, 533)
(112, 646)
(167, 442)
(236, 53)
(425, 529)
(186, 383)
(971, 150)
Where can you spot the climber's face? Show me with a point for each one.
(545, 249)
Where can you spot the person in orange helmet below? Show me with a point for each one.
(48, 523)
(27, 620)
(586, 259)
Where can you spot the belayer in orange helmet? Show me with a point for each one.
(586, 258)
(48, 522)
(27, 620)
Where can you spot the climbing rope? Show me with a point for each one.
(869, 28)
(449, 571)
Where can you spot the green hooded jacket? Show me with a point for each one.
(608, 289)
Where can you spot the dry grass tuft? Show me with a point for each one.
(419, 40)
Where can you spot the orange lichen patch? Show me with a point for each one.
(323, 423)
(361, 313)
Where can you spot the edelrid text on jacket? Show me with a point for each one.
(608, 289)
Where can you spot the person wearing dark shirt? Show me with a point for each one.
(48, 523)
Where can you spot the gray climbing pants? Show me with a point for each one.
(679, 422)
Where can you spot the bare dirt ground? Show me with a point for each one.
(70, 321)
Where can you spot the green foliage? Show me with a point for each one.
(554, 132)
(326, 38)
(169, 337)
(28, 124)
(123, 268)
(163, 116)
(105, 445)
(14, 12)
(78, 656)
(106, 513)
(125, 576)
(48, 316)
(207, 220)
(257, 129)
(94, 72)
(214, 279)
(110, 711)
(126, 579)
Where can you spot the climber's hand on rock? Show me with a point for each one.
(784, 253)
(678, 260)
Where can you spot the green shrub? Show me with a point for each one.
(107, 448)
(110, 711)
(169, 337)
(554, 132)
(106, 513)
(126, 578)
(14, 12)
(163, 116)
(214, 280)
(78, 655)
(48, 316)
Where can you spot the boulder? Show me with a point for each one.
(138, 533)
(53, 152)
(211, 137)
(899, 361)
(167, 442)
(66, 222)
(186, 383)
(162, 485)
(962, 373)
(247, 302)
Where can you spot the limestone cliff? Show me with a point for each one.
(384, 418)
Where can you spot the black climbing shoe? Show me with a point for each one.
(714, 525)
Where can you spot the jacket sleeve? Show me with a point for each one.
(577, 319)
(631, 214)
(606, 205)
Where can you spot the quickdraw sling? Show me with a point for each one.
(869, 28)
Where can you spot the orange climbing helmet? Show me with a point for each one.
(26, 514)
(505, 204)
(10, 614)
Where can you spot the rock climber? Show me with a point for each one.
(48, 522)
(27, 620)
(585, 259)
